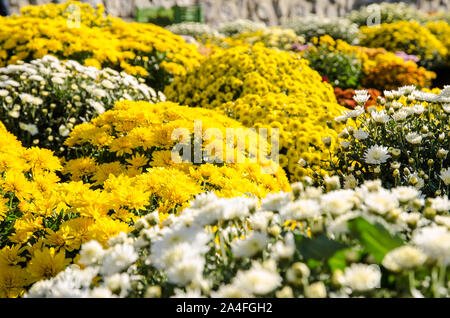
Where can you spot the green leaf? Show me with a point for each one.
(375, 238)
(338, 260)
(320, 248)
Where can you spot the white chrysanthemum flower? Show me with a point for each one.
(275, 201)
(361, 98)
(413, 138)
(380, 117)
(37, 101)
(57, 80)
(14, 114)
(63, 130)
(445, 176)
(427, 97)
(362, 277)
(260, 220)
(98, 92)
(443, 220)
(36, 78)
(404, 258)
(418, 109)
(118, 282)
(316, 290)
(4, 92)
(300, 210)
(117, 258)
(203, 199)
(250, 245)
(185, 271)
(237, 208)
(401, 115)
(98, 107)
(350, 182)
(388, 94)
(357, 111)
(284, 250)
(376, 155)
(361, 92)
(381, 201)
(341, 119)
(257, 280)
(32, 129)
(91, 252)
(446, 108)
(405, 194)
(407, 89)
(338, 202)
(360, 134)
(108, 84)
(440, 204)
(434, 241)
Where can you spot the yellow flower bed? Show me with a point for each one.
(136, 137)
(43, 222)
(73, 11)
(238, 71)
(390, 71)
(406, 36)
(138, 49)
(441, 30)
(302, 126)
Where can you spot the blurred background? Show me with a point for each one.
(271, 12)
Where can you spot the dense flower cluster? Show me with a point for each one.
(349, 66)
(43, 222)
(404, 141)
(302, 124)
(316, 26)
(74, 11)
(367, 242)
(406, 36)
(441, 30)
(389, 71)
(138, 49)
(236, 72)
(44, 99)
(135, 137)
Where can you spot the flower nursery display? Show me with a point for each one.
(225, 159)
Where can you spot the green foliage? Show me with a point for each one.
(342, 70)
